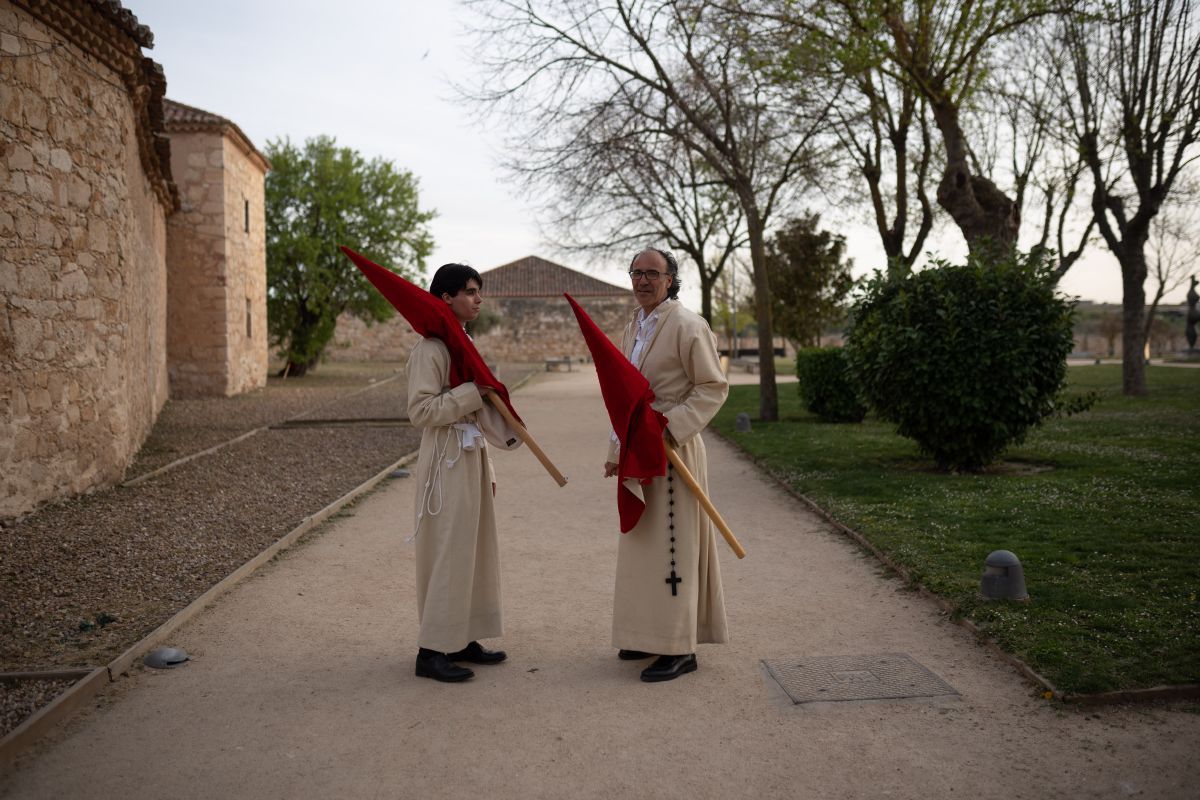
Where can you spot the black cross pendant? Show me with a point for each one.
(674, 580)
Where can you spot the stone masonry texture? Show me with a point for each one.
(82, 263)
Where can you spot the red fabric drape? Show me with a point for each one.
(431, 317)
(628, 397)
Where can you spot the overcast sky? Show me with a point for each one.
(377, 76)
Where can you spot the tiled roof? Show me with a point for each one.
(125, 19)
(532, 276)
(177, 113)
(181, 118)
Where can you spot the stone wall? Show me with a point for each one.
(217, 269)
(529, 329)
(246, 271)
(196, 339)
(82, 268)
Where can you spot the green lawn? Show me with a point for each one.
(1102, 508)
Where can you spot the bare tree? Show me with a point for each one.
(683, 70)
(886, 134)
(612, 192)
(1173, 250)
(1110, 327)
(1022, 125)
(1134, 99)
(942, 49)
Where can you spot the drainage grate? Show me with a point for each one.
(883, 676)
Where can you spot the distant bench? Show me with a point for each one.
(555, 363)
(748, 364)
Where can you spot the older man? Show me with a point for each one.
(668, 591)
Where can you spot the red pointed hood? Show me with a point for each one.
(628, 398)
(432, 318)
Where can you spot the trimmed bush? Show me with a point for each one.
(964, 359)
(827, 386)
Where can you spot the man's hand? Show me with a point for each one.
(610, 469)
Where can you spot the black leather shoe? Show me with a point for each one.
(431, 664)
(475, 654)
(668, 668)
(632, 655)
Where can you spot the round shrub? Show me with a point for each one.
(827, 386)
(964, 359)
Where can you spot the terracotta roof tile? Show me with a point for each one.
(177, 114)
(181, 118)
(533, 276)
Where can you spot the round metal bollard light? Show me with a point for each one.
(166, 658)
(741, 423)
(1003, 577)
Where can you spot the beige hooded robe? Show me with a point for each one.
(684, 370)
(457, 553)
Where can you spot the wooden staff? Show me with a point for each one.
(705, 503)
(527, 438)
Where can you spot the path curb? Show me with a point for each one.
(62, 707)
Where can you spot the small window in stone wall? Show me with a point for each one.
(246, 216)
(249, 321)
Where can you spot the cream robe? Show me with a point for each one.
(681, 363)
(458, 557)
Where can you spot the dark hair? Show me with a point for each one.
(451, 279)
(672, 269)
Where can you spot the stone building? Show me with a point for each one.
(530, 320)
(85, 190)
(86, 204)
(216, 257)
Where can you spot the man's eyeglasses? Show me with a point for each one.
(649, 274)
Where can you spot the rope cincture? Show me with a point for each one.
(466, 435)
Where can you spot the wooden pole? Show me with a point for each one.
(705, 503)
(527, 438)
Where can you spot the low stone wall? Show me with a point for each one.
(528, 329)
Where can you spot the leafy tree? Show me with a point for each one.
(964, 359)
(318, 198)
(810, 279)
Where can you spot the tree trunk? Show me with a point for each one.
(1133, 337)
(768, 403)
(988, 219)
(706, 290)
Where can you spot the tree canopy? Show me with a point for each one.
(810, 279)
(317, 198)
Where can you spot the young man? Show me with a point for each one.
(668, 592)
(458, 559)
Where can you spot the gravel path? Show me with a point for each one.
(82, 581)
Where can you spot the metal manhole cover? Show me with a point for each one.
(884, 676)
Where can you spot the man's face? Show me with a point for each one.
(650, 292)
(466, 303)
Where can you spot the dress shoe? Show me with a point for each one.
(632, 655)
(432, 664)
(668, 668)
(475, 654)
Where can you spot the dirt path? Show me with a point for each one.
(303, 687)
